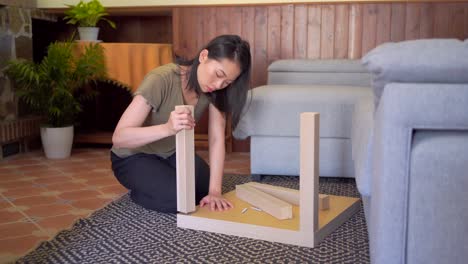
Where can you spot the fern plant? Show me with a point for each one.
(87, 14)
(55, 86)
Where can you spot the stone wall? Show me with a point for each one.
(15, 42)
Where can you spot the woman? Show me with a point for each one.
(143, 155)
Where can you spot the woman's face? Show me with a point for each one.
(216, 75)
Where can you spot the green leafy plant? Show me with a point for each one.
(56, 86)
(87, 14)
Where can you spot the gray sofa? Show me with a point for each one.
(410, 151)
(408, 136)
(331, 87)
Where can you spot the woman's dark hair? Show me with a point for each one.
(230, 100)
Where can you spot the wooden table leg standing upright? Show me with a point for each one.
(307, 227)
(185, 166)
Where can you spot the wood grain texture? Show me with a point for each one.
(308, 170)
(268, 203)
(210, 26)
(383, 24)
(398, 20)
(317, 30)
(260, 44)
(341, 31)
(345, 30)
(355, 32)
(441, 20)
(139, 7)
(185, 167)
(466, 20)
(426, 28)
(287, 31)
(457, 18)
(300, 32)
(324, 202)
(274, 33)
(314, 26)
(413, 21)
(288, 195)
(369, 32)
(327, 35)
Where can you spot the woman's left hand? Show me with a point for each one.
(216, 202)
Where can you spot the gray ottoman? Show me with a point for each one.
(330, 87)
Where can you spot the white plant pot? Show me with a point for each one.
(88, 33)
(57, 141)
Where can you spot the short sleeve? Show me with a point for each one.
(152, 89)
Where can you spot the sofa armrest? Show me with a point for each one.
(319, 72)
(361, 142)
(437, 202)
(405, 108)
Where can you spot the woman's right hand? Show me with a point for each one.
(179, 119)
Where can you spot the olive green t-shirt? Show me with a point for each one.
(162, 89)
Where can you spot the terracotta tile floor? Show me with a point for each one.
(40, 197)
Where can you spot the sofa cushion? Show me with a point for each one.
(326, 72)
(275, 109)
(417, 61)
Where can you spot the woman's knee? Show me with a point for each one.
(144, 173)
(164, 203)
(120, 169)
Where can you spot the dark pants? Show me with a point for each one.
(152, 179)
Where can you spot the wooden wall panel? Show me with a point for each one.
(287, 31)
(260, 44)
(369, 33)
(274, 33)
(210, 29)
(397, 22)
(198, 27)
(413, 18)
(341, 31)
(300, 32)
(248, 16)
(355, 32)
(466, 20)
(223, 15)
(383, 23)
(314, 26)
(441, 20)
(427, 20)
(176, 29)
(327, 36)
(457, 18)
(236, 21)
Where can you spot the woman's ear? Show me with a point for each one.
(203, 56)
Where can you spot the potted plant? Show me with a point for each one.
(87, 15)
(55, 88)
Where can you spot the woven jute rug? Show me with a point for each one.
(124, 232)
